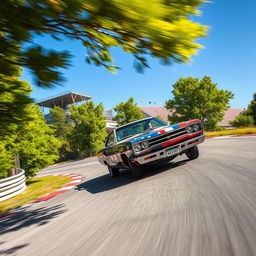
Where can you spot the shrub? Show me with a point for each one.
(242, 121)
(6, 160)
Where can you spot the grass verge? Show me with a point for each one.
(239, 131)
(36, 188)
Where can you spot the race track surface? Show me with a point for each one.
(201, 207)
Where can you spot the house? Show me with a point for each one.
(156, 111)
(163, 113)
(230, 115)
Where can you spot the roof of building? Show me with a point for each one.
(63, 99)
(156, 111)
(230, 115)
(162, 112)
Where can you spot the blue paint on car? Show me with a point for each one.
(153, 134)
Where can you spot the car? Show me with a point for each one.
(148, 141)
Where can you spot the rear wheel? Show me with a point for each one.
(193, 153)
(113, 171)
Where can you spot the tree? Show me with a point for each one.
(59, 121)
(127, 112)
(242, 120)
(251, 109)
(34, 142)
(62, 129)
(14, 101)
(161, 29)
(6, 159)
(194, 98)
(89, 128)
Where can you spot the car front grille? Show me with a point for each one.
(167, 136)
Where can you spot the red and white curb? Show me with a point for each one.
(75, 180)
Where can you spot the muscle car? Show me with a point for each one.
(149, 141)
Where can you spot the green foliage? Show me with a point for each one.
(127, 112)
(242, 120)
(89, 128)
(6, 159)
(14, 99)
(35, 143)
(62, 129)
(59, 121)
(251, 109)
(218, 128)
(162, 29)
(194, 98)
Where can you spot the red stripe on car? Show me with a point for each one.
(182, 138)
(161, 131)
(189, 122)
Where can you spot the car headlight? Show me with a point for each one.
(189, 129)
(196, 127)
(137, 147)
(145, 145)
(141, 146)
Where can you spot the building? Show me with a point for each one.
(230, 115)
(110, 124)
(156, 111)
(66, 99)
(63, 100)
(163, 113)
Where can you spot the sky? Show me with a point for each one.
(228, 57)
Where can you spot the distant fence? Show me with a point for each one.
(12, 186)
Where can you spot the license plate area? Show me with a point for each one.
(173, 151)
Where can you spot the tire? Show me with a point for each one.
(113, 171)
(135, 170)
(193, 153)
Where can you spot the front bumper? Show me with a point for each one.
(161, 154)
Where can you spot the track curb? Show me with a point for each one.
(75, 180)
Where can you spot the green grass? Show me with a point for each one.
(239, 131)
(36, 188)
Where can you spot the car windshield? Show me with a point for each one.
(138, 127)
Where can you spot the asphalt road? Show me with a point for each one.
(201, 207)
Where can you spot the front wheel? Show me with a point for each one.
(113, 171)
(136, 170)
(192, 153)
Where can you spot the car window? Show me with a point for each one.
(156, 123)
(137, 127)
(111, 139)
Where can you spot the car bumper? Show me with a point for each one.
(161, 154)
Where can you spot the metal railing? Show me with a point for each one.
(12, 186)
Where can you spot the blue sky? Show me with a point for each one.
(228, 58)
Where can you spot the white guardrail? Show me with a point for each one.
(12, 186)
